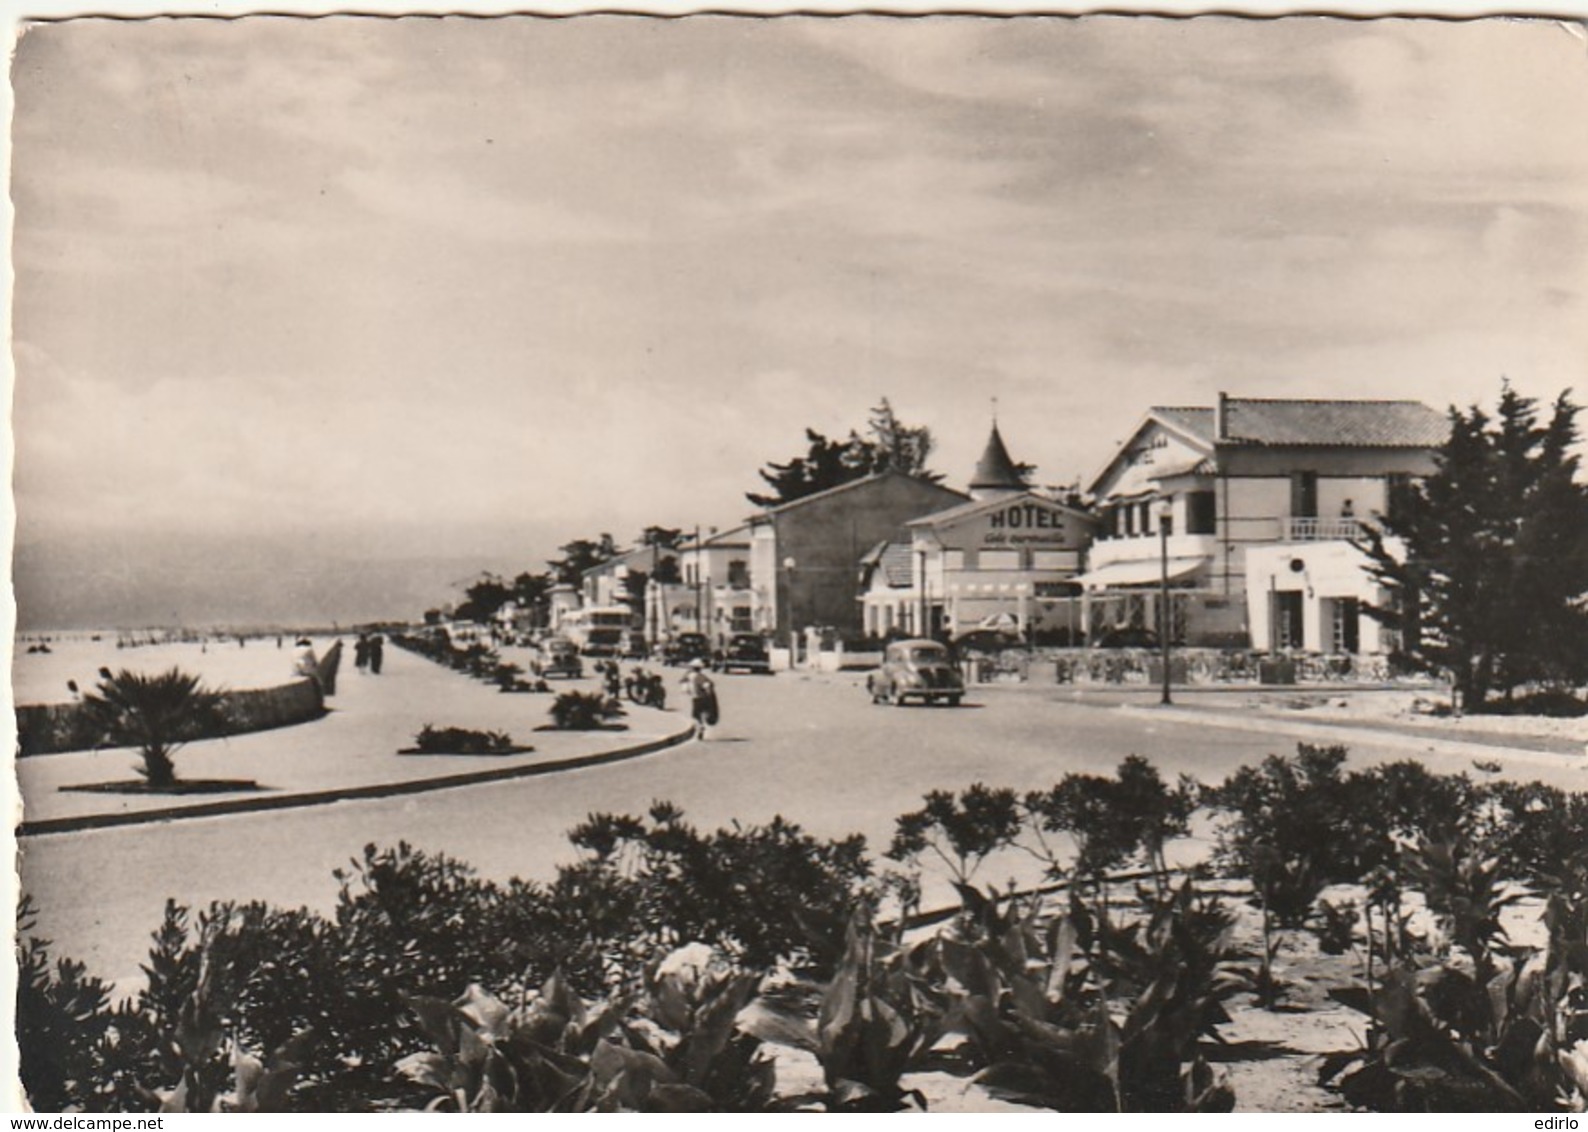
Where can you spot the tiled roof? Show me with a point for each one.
(848, 485)
(896, 562)
(976, 506)
(1347, 424)
(1201, 466)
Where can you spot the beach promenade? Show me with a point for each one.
(350, 753)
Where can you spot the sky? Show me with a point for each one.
(316, 319)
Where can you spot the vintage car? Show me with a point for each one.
(744, 652)
(560, 657)
(686, 647)
(918, 669)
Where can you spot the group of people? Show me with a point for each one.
(649, 690)
(369, 652)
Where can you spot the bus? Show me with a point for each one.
(601, 630)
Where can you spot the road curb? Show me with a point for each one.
(1351, 735)
(349, 793)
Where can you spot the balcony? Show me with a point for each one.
(1138, 548)
(1321, 530)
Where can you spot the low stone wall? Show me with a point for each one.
(1186, 666)
(47, 729)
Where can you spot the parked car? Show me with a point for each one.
(745, 652)
(984, 641)
(560, 657)
(687, 647)
(916, 668)
(1127, 637)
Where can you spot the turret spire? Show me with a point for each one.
(996, 473)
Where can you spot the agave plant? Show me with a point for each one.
(553, 1054)
(1495, 1028)
(876, 1021)
(1036, 1010)
(157, 714)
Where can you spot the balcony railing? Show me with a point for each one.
(1322, 530)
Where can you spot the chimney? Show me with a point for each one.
(1221, 418)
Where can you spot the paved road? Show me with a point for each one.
(810, 748)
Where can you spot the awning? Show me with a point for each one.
(1143, 572)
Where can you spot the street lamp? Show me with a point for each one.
(788, 589)
(1165, 517)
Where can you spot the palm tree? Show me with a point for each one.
(157, 714)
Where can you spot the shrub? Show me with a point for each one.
(665, 881)
(961, 832)
(583, 711)
(62, 1025)
(461, 741)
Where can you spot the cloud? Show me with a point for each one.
(500, 283)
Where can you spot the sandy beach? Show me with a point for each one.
(41, 678)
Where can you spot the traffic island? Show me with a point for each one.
(266, 800)
(180, 787)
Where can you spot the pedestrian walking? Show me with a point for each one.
(702, 697)
(361, 652)
(377, 650)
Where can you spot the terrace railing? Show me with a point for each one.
(1322, 530)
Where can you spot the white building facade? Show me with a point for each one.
(1251, 507)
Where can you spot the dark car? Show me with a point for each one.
(745, 652)
(560, 657)
(984, 641)
(918, 669)
(1127, 637)
(687, 647)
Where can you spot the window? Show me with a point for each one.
(1304, 495)
(1144, 509)
(1130, 519)
(999, 560)
(953, 560)
(738, 574)
(1201, 513)
(742, 619)
(1051, 559)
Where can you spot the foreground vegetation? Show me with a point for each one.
(674, 969)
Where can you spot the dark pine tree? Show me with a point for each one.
(891, 446)
(581, 554)
(1487, 560)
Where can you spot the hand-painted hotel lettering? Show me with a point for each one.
(1026, 515)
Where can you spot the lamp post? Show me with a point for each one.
(788, 589)
(1165, 516)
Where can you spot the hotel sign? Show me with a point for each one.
(1020, 523)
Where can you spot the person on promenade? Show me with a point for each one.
(702, 697)
(307, 664)
(361, 652)
(377, 649)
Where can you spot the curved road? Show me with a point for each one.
(811, 748)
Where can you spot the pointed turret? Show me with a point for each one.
(996, 473)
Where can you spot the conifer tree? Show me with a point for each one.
(891, 446)
(1487, 564)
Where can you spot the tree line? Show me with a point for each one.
(888, 444)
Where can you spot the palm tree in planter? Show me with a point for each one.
(157, 714)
